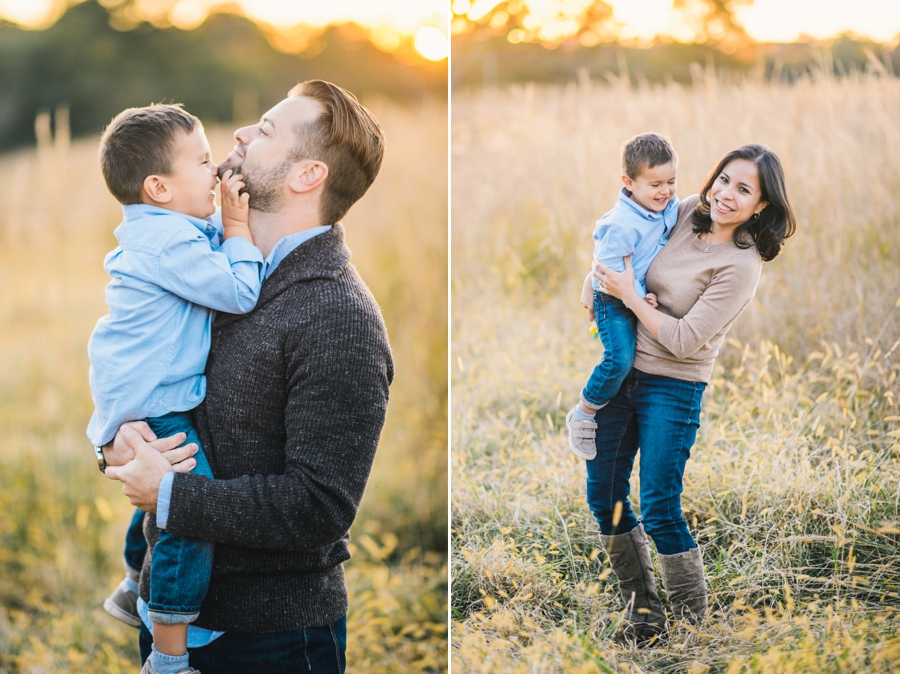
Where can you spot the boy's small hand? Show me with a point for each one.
(650, 299)
(235, 206)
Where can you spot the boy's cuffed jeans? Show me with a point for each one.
(180, 569)
(660, 415)
(617, 328)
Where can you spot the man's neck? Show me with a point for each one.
(270, 228)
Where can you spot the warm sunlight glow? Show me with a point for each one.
(480, 8)
(26, 13)
(403, 17)
(431, 43)
(552, 21)
(770, 20)
(785, 20)
(188, 15)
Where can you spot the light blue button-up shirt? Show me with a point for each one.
(169, 277)
(630, 229)
(198, 636)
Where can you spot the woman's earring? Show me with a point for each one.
(756, 215)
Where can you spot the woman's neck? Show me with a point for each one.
(719, 234)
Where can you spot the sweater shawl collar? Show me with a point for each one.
(323, 257)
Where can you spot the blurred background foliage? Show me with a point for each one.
(61, 523)
(514, 41)
(98, 60)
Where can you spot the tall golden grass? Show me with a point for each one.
(62, 524)
(792, 487)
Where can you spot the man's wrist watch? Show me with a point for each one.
(101, 460)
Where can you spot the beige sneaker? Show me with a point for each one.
(581, 436)
(122, 605)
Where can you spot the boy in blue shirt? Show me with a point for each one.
(173, 269)
(638, 225)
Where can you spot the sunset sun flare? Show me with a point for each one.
(390, 24)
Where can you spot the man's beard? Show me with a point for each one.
(264, 184)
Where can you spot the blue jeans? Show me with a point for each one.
(660, 415)
(179, 574)
(617, 328)
(315, 650)
(135, 543)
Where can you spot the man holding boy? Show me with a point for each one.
(296, 397)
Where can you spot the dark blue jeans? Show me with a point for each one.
(315, 650)
(660, 415)
(179, 574)
(617, 328)
(135, 543)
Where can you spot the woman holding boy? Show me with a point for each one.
(703, 278)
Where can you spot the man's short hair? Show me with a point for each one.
(347, 138)
(140, 142)
(644, 152)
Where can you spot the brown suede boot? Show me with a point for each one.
(682, 576)
(629, 557)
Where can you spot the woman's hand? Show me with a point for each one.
(621, 285)
(617, 284)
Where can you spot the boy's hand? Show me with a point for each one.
(587, 296)
(650, 298)
(235, 207)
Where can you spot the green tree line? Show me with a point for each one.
(490, 60)
(226, 64)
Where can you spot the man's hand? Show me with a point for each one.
(141, 476)
(117, 452)
(651, 299)
(235, 207)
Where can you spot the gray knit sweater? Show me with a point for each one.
(297, 392)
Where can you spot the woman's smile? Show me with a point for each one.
(735, 195)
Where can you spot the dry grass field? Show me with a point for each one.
(62, 524)
(792, 488)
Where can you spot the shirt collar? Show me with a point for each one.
(134, 212)
(286, 246)
(626, 200)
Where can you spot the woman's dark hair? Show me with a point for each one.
(776, 221)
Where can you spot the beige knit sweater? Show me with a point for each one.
(702, 292)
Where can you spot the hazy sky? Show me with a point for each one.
(773, 20)
(402, 15)
(765, 20)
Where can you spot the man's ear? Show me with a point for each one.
(307, 175)
(628, 182)
(156, 190)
